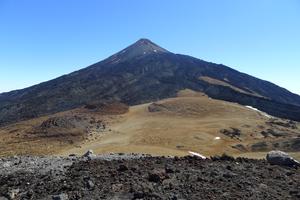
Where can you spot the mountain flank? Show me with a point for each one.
(141, 73)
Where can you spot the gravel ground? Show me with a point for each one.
(121, 176)
(29, 164)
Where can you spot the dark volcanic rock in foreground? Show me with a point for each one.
(150, 178)
(145, 72)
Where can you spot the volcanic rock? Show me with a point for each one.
(89, 154)
(60, 197)
(282, 159)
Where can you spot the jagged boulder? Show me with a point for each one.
(62, 196)
(89, 154)
(281, 158)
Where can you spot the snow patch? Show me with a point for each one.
(116, 61)
(261, 112)
(197, 154)
(217, 138)
(155, 50)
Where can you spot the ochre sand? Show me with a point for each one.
(189, 122)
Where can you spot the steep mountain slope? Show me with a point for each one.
(141, 73)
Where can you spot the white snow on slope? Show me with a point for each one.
(197, 154)
(261, 112)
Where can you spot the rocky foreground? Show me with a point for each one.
(144, 177)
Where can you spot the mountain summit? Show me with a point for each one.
(146, 46)
(142, 47)
(145, 72)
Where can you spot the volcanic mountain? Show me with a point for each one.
(141, 73)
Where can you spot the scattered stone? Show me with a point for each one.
(265, 134)
(179, 146)
(233, 133)
(157, 175)
(260, 146)
(116, 187)
(62, 196)
(224, 157)
(263, 186)
(284, 123)
(228, 167)
(6, 164)
(229, 175)
(273, 133)
(64, 122)
(90, 185)
(89, 154)
(138, 195)
(169, 169)
(156, 107)
(240, 147)
(13, 193)
(282, 159)
(154, 178)
(122, 168)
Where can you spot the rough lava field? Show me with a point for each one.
(134, 176)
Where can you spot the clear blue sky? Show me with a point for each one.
(43, 39)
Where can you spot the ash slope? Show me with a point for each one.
(144, 72)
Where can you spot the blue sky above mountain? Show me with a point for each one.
(41, 40)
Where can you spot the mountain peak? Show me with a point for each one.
(144, 41)
(140, 48)
(148, 46)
